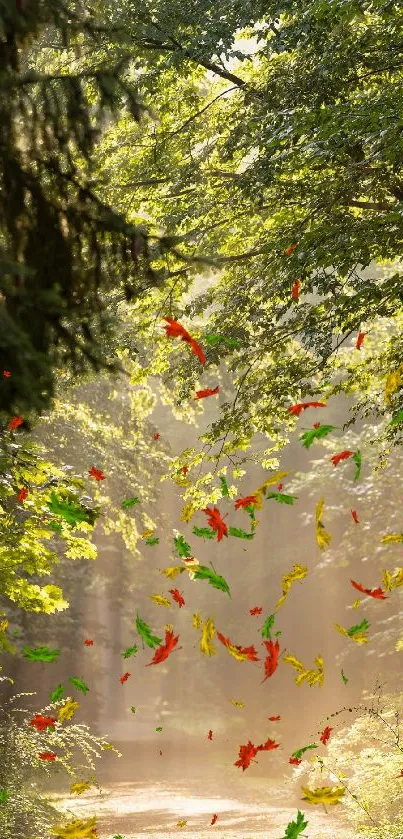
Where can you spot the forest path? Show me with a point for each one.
(140, 811)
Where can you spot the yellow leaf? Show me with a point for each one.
(78, 789)
(393, 383)
(78, 829)
(160, 600)
(235, 653)
(391, 581)
(298, 572)
(67, 711)
(172, 572)
(358, 637)
(208, 632)
(356, 603)
(3, 625)
(188, 512)
(269, 482)
(322, 536)
(168, 627)
(399, 645)
(197, 621)
(391, 538)
(147, 533)
(181, 823)
(323, 795)
(312, 677)
(237, 704)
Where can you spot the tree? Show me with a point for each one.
(66, 256)
(276, 154)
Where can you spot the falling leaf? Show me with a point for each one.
(42, 723)
(3, 795)
(344, 677)
(295, 290)
(267, 626)
(197, 621)
(299, 752)
(392, 538)
(298, 572)
(129, 502)
(323, 538)
(288, 251)
(173, 329)
(182, 547)
(271, 660)
(162, 652)
(40, 654)
(239, 653)
(96, 473)
(237, 704)
(124, 678)
(344, 455)
(224, 486)
(240, 534)
(281, 497)
(204, 532)
(325, 736)
(357, 632)
(47, 756)
(216, 522)
(214, 819)
(323, 795)
(202, 394)
(392, 581)
(210, 735)
(77, 829)
(312, 677)
(160, 600)
(14, 423)
(318, 432)
(152, 540)
(201, 572)
(256, 611)
(354, 516)
(247, 501)
(181, 823)
(22, 495)
(248, 752)
(188, 511)
(72, 513)
(377, 593)
(57, 693)
(296, 410)
(360, 340)
(79, 684)
(393, 382)
(358, 462)
(296, 827)
(208, 632)
(173, 572)
(274, 719)
(146, 633)
(79, 788)
(130, 651)
(88, 642)
(67, 711)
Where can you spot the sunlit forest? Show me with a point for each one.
(201, 419)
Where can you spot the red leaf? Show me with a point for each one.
(271, 661)
(377, 593)
(185, 470)
(15, 422)
(47, 756)
(325, 736)
(268, 746)
(250, 652)
(162, 652)
(214, 819)
(210, 735)
(197, 351)
(216, 522)
(41, 723)
(295, 290)
(288, 251)
(294, 761)
(246, 754)
(124, 678)
(360, 339)
(355, 517)
(176, 595)
(273, 719)
(256, 611)
(201, 394)
(96, 473)
(296, 410)
(280, 487)
(88, 642)
(401, 774)
(247, 501)
(156, 436)
(6, 373)
(176, 330)
(22, 494)
(341, 456)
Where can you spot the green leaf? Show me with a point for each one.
(3, 795)
(240, 534)
(72, 513)
(357, 460)
(182, 547)
(281, 498)
(214, 340)
(152, 540)
(267, 626)
(315, 434)
(129, 502)
(129, 652)
(79, 684)
(345, 679)
(224, 486)
(359, 627)
(298, 754)
(397, 419)
(296, 827)
(57, 693)
(40, 654)
(159, 728)
(133, 709)
(204, 532)
(202, 572)
(146, 634)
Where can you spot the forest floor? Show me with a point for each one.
(135, 810)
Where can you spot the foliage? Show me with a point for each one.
(29, 546)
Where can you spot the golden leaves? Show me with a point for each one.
(323, 795)
(160, 600)
(298, 572)
(67, 711)
(393, 382)
(323, 538)
(312, 677)
(208, 632)
(78, 829)
(79, 788)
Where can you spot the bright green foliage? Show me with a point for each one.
(224, 486)
(313, 434)
(295, 828)
(298, 754)
(152, 540)
(40, 654)
(281, 497)
(202, 572)
(182, 547)
(268, 626)
(146, 634)
(240, 534)
(357, 460)
(26, 550)
(57, 694)
(129, 652)
(359, 627)
(204, 532)
(344, 677)
(79, 684)
(129, 502)
(72, 513)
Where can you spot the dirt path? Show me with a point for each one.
(138, 811)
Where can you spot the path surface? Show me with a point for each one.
(139, 811)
